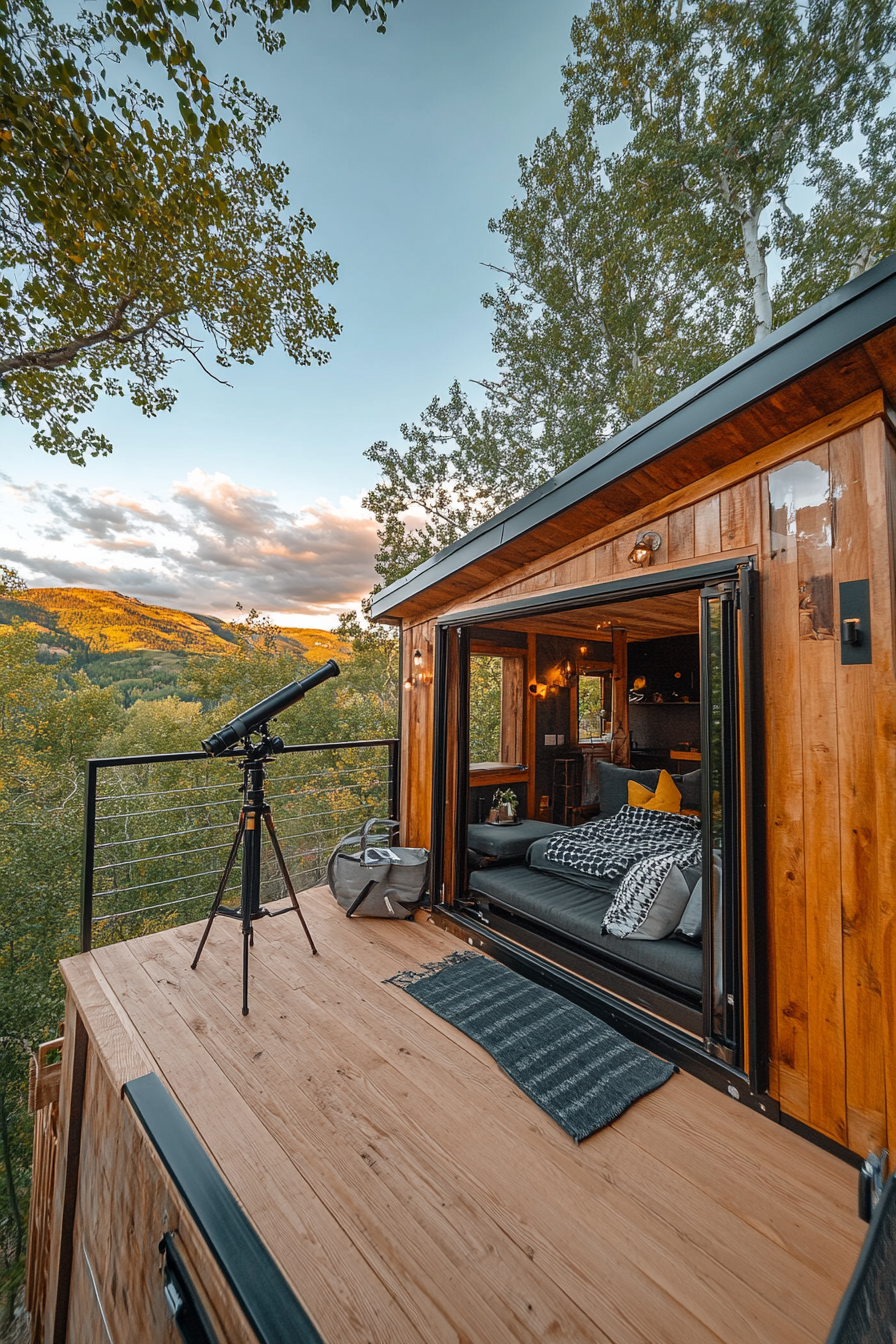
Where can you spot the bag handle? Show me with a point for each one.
(376, 821)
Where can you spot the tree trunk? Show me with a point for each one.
(756, 265)
(863, 260)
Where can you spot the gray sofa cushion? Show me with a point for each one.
(612, 785)
(509, 842)
(558, 904)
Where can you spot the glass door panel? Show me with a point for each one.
(721, 765)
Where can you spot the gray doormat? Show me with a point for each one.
(572, 1065)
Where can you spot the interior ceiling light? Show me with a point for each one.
(643, 549)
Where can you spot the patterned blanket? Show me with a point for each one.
(637, 845)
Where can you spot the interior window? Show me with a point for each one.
(595, 701)
(497, 705)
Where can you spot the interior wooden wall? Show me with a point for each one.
(830, 744)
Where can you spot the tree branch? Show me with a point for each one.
(58, 356)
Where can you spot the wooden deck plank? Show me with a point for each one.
(737, 1244)
(797, 1220)
(369, 1139)
(337, 1288)
(814, 1187)
(353, 1145)
(485, 1163)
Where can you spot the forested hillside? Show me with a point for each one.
(62, 700)
(136, 649)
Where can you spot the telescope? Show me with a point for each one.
(255, 815)
(253, 719)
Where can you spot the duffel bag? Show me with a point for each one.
(370, 877)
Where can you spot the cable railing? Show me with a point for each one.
(148, 868)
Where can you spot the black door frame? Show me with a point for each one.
(740, 573)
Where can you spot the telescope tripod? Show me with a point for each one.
(254, 812)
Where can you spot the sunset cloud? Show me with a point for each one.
(213, 542)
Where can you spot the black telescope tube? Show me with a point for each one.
(269, 708)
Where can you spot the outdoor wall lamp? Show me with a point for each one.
(419, 676)
(643, 549)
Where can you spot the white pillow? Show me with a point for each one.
(659, 917)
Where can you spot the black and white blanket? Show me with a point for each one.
(635, 844)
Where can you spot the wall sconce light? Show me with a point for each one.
(419, 676)
(643, 549)
(565, 673)
(583, 649)
(538, 689)
(849, 631)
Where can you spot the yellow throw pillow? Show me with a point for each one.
(638, 796)
(666, 799)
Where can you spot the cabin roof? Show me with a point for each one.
(835, 352)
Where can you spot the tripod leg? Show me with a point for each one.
(219, 894)
(284, 872)
(246, 937)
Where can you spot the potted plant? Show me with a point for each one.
(504, 805)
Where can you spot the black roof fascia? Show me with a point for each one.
(628, 588)
(852, 314)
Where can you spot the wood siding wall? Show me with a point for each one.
(830, 748)
(123, 1202)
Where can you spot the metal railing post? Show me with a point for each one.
(393, 780)
(88, 856)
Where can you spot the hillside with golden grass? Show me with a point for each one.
(109, 622)
(112, 623)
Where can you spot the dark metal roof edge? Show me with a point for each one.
(852, 313)
(630, 587)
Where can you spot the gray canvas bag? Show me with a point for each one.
(370, 877)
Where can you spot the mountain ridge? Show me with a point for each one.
(140, 649)
(105, 621)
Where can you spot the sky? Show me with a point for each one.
(401, 147)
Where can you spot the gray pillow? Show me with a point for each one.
(612, 785)
(691, 791)
(661, 916)
(690, 927)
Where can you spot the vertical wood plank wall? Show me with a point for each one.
(416, 736)
(830, 755)
(123, 1202)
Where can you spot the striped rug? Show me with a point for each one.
(572, 1065)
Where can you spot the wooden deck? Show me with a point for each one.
(412, 1194)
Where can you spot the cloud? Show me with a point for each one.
(212, 543)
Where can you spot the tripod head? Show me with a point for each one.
(259, 753)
